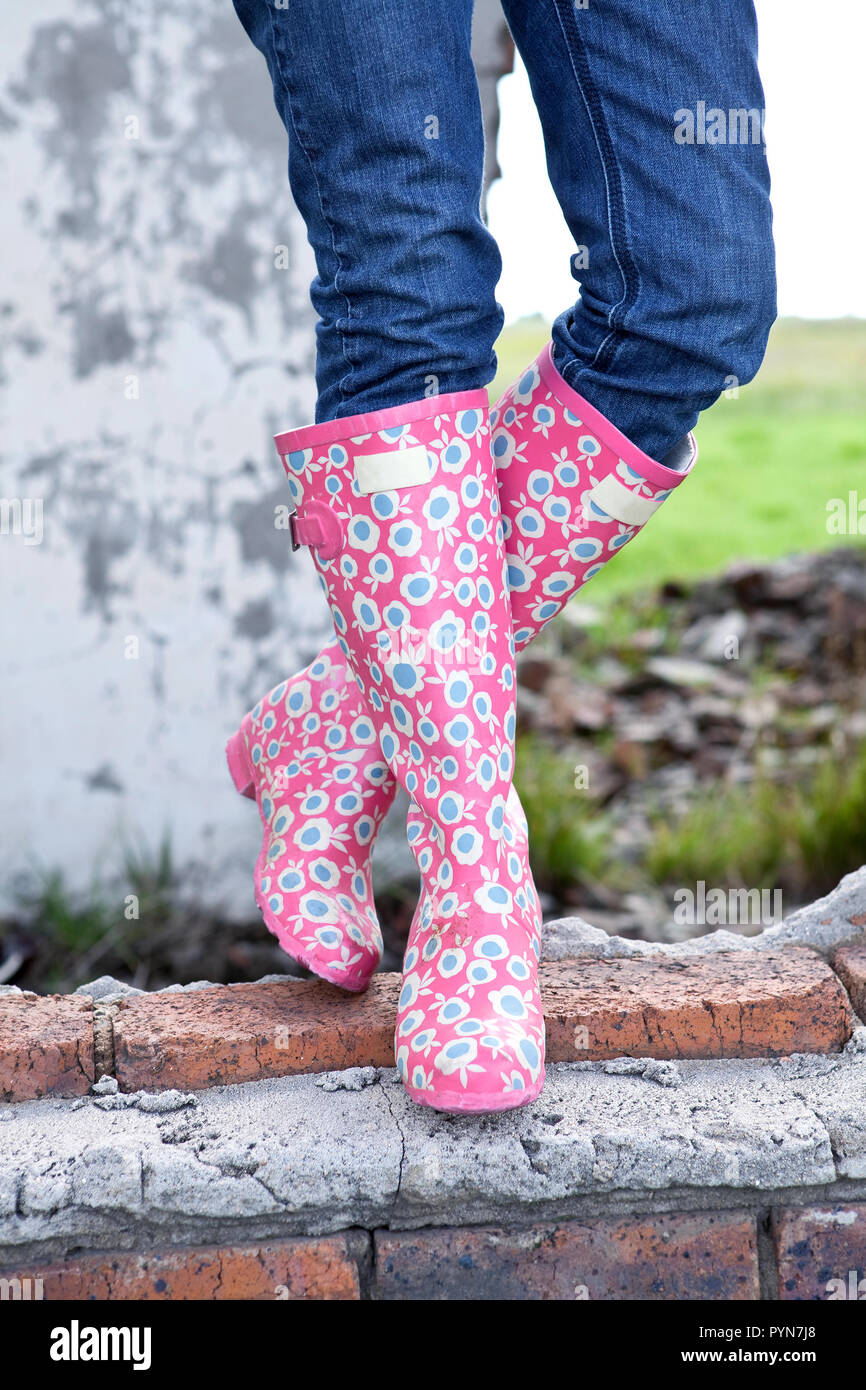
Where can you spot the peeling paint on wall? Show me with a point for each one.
(150, 350)
(152, 342)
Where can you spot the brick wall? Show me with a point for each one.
(730, 1004)
(786, 1253)
(702, 1137)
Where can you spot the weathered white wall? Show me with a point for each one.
(156, 333)
(151, 348)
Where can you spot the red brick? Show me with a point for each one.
(729, 1004)
(245, 1032)
(312, 1269)
(821, 1252)
(704, 1255)
(46, 1046)
(734, 1004)
(849, 962)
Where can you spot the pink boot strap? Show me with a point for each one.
(319, 527)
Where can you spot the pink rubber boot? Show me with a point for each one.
(573, 491)
(552, 450)
(401, 507)
(308, 754)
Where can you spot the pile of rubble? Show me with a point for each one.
(761, 671)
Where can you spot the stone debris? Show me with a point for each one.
(801, 1064)
(148, 1102)
(187, 989)
(107, 990)
(664, 1073)
(107, 1086)
(759, 672)
(352, 1079)
(829, 922)
(649, 1068)
(838, 917)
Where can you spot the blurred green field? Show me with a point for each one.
(770, 459)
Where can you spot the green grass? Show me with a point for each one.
(803, 838)
(63, 922)
(567, 835)
(770, 460)
(76, 932)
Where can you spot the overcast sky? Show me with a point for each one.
(813, 62)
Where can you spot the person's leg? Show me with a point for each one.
(566, 470)
(670, 213)
(381, 107)
(395, 492)
(380, 102)
(402, 511)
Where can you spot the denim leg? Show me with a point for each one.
(677, 295)
(380, 102)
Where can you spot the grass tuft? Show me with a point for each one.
(802, 838)
(567, 839)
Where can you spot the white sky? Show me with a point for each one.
(813, 63)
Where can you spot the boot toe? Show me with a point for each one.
(481, 1064)
(480, 1102)
(342, 946)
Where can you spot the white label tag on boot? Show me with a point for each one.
(614, 497)
(395, 469)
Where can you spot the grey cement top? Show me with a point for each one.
(315, 1154)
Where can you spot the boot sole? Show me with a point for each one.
(478, 1103)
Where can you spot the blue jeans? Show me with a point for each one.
(670, 217)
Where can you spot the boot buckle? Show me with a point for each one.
(318, 527)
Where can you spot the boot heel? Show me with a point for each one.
(239, 766)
